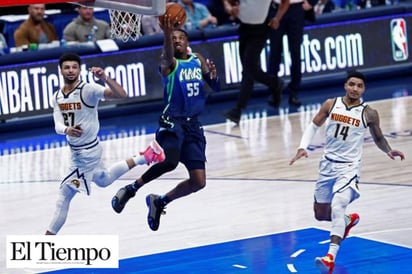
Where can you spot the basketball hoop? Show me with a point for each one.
(125, 25)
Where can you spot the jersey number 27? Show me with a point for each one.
(68, 119)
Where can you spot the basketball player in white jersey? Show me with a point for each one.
(75, 115)
(348, 118)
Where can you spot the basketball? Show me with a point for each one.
(176, 13)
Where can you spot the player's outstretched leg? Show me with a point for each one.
(155, 210)
(153, 154)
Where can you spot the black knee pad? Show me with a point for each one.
(169, 164)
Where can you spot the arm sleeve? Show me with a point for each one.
(59, 125)
(307, 136)
(213, 83)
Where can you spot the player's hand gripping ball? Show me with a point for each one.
(176, 13)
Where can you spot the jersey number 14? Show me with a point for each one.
(341, 130)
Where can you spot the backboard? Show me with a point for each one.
(146, 7)
(125, 15)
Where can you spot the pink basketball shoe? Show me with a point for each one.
(154, 153)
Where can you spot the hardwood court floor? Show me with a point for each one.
(251, 189)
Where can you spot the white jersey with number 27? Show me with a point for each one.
(79, 108)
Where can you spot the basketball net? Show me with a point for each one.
(125, 25)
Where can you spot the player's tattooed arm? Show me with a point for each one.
(372, 118)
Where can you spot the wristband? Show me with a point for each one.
(213, 83)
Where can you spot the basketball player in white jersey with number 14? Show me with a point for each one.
(75, 115)
(348, 118)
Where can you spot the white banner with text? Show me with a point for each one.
(62, 251)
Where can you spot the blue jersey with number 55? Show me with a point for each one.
(183, 89)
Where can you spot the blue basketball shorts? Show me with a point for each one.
(185, 135)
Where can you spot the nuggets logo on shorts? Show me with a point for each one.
(399, 39)
(76, 183)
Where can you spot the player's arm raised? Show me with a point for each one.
(209, 72)
(115, 90)
(167, 61)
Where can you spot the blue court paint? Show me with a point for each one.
(276, 254)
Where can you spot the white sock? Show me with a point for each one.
(139, 160)
(333, 249)
(347, 220)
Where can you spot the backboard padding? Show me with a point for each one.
(146, 7)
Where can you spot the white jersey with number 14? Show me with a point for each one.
(345, 130)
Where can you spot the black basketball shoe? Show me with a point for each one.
(122, 196)
(155, 210)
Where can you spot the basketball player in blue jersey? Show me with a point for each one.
(347, 118)
(180, 133)
(75, 115)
